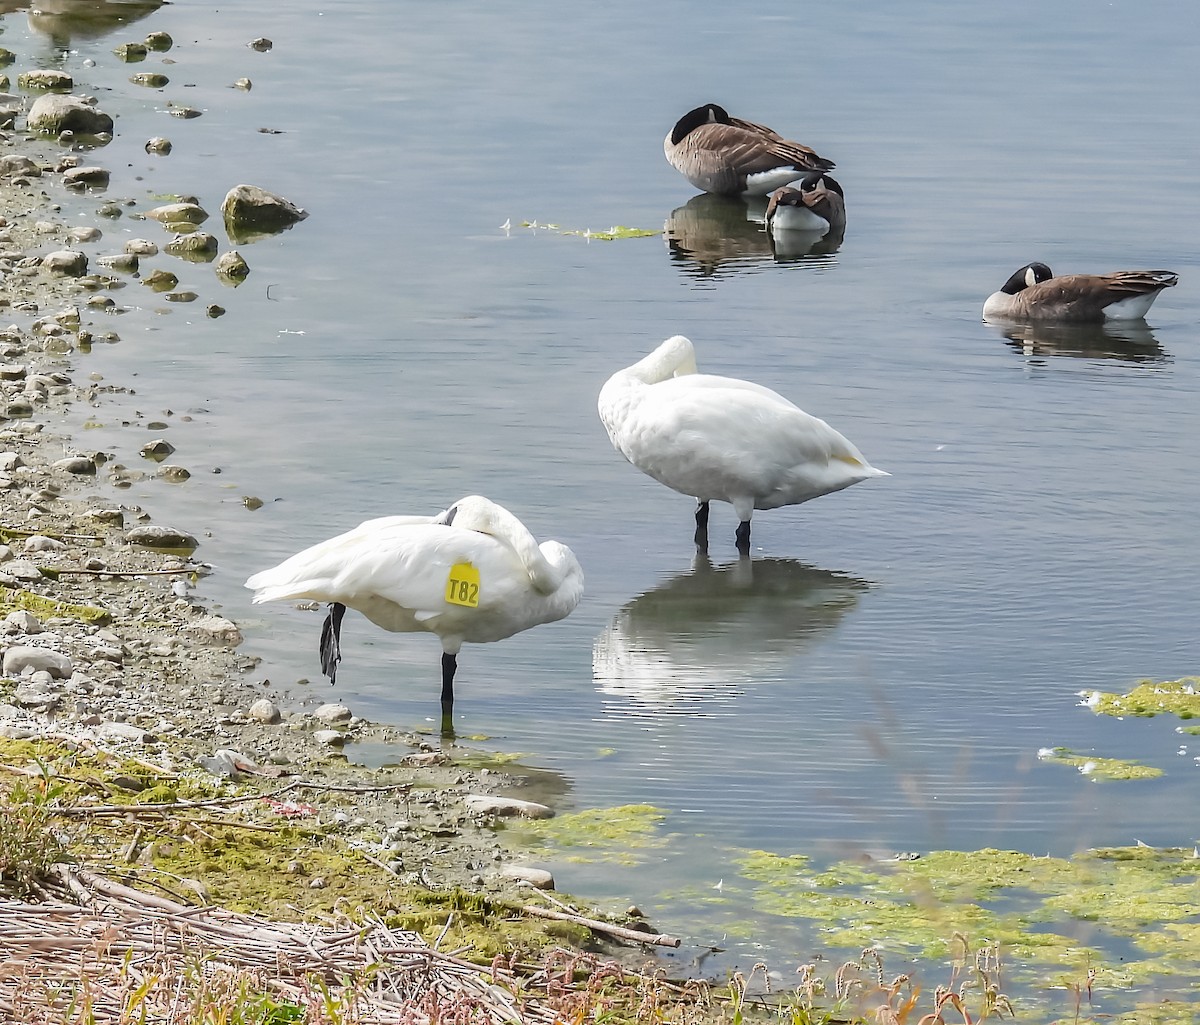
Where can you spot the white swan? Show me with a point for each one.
(718, 438)
(471, 574)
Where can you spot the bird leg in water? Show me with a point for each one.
(331, 647)
(743, 538)
(701, 535)
(449, 665)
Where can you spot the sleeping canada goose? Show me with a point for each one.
(731, 157)
(472, 574)
(1034, 293)
(719, 438)
(818, 205)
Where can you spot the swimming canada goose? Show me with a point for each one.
(818, 205)
(722, 439)
(1034, 293)
(731, 157)
(472, 574)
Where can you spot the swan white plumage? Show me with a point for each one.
(406, 573)
(723, 439)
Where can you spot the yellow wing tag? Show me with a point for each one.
(462, 586)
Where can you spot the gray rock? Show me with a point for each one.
(9, 461)
(159, 41)
(158, 145)
(192, 213)
(67, 262)
(174, 474)
(537, 877)
(198, 246)
(232, 267)
(21, 658)
(155, 536)
(215, 630)
(22, 569)
(249, 210)
(16, 163)
(75, 464)
(97, 177)
(141, 247)
(264, 710)
(41, 543)
(131, 53)
(37, 692)
(45, 79)
(333, 713)
(487, 804)
(54, 113)
(23, 621)
(157, 449)
(160, 280)
(111, 731)
(330, 738)
(85, 233)
(124, 263)
(150, 79)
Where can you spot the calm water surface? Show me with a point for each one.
(884, 673)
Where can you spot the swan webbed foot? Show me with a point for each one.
(331, 640)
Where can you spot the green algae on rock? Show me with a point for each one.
(1179, 697)
(39, 605)
(1097, 768)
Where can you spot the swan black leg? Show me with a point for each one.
(701, 535)
(331, 640)
(449, 666)
(743, 538)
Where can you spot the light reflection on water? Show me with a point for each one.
(398, 349)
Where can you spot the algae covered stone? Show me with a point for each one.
(54, 113)
(250, 212)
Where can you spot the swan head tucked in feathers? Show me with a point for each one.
(549, 564)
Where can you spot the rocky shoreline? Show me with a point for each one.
(111, 654)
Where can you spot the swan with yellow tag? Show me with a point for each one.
(471, 574)
(723, 439)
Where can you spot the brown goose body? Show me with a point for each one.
(1034, 293)
(731, 157)
(818, 205)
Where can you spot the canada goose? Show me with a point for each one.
(731, 157)
(472, 574)
(1034, 293)
(818, 205)
(719, 438)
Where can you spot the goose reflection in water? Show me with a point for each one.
(712, 236)
(1131, 341)
(700, 635)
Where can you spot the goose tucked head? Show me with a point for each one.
(1030, 274)
(709, 114)
(812, 181)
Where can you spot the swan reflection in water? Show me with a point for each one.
(66, 20)
(700, 635)
(1131, 341)
(711, 236)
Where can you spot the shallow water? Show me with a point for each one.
(883, 675)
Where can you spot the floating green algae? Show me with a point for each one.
(1054, 918)
(1149, 697)
(621, 835)
(1099, 769)
(617, 231)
